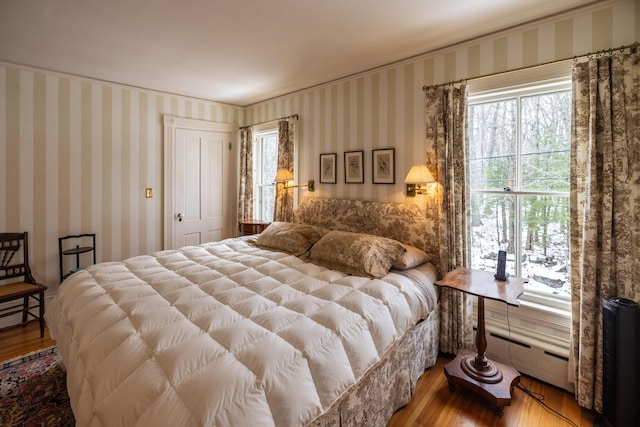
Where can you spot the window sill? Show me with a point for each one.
(547, 303)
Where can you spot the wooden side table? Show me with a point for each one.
(249, 226)
(492, 380)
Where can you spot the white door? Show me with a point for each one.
(200, 186)
(198, 174)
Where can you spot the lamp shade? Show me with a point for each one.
(283, 175)
(419, 174)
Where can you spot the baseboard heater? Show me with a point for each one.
(535, 361)
(512, 341)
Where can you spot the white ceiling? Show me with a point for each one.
(243, 51)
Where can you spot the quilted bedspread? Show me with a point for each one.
(224, 334)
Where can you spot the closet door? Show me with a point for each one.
(200, 186)
(197, 182)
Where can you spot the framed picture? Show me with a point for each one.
(328, 168)
(384, 166)
(353, 167)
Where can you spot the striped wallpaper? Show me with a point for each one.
(76, 154)
(384, 108)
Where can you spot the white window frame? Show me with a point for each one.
(257, 169)
(533, 298)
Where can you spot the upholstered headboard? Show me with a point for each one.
(402, 222)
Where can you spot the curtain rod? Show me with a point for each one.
(293, 116)
(575, 58)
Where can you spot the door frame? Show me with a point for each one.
(171, 125)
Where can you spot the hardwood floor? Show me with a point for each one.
(21, 340)
(432, 405)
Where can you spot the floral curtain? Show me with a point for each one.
(283, 206)
(446, 123)
(605, 205)
(245, 196)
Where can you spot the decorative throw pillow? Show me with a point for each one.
(288, 237)
(356, 253)
(411, 258)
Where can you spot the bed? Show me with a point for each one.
(291, 327)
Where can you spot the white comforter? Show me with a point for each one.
(223, 334)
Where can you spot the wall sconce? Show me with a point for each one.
(417, 176)
(285, 175)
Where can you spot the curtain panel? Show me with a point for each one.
(245, 195)
(605, 205)
(283, 206)
(446, 124)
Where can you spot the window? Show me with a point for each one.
(519, 159)
(265, 165)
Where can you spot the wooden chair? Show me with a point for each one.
(14, 264)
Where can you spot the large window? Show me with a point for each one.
(519, 157)
(265, 165)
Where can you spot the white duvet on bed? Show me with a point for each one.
(224, 334)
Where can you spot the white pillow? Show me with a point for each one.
(410, 258)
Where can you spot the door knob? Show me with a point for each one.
(180, 217)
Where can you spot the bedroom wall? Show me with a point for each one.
(76, 156)
(384, 107)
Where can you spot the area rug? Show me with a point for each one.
(33, 391)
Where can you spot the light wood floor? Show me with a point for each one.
(22, 340)
(432, 404)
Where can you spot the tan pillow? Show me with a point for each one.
(356, 253)
(288, 237)
(410, 258)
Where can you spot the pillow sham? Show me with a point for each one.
(288, 237)
(410, 258)
(356, 253)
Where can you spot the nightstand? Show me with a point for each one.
(492, 380)
(249, 226)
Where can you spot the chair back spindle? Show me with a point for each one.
(14, 257)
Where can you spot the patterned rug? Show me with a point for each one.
(33, 391)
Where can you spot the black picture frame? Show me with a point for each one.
(354, 167)
(383, 166)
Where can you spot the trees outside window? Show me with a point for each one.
(519, 159)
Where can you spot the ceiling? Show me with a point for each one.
(243, 51)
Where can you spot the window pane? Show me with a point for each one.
(265, 163)
(269, 158)
(522, 143)
(492, 152)
(492, 229)
(545, 243)
(267, 194)
(546, 132)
